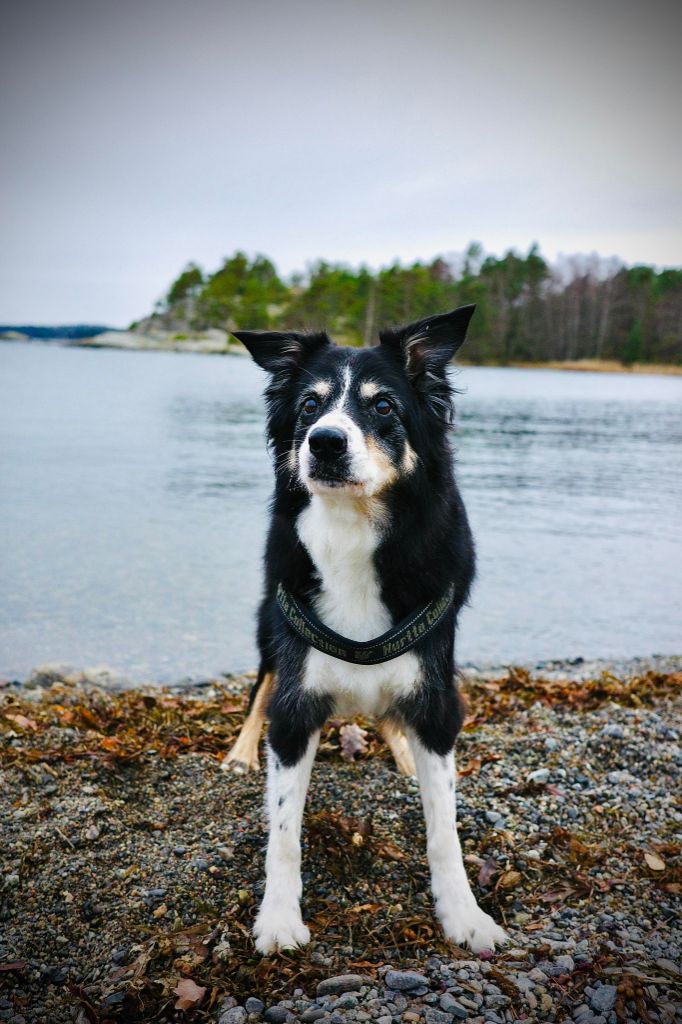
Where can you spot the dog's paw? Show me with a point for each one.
(232, 762)
(280, 928)
(471, 926)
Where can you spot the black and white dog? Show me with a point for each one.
(369, 558)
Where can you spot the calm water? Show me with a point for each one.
(134, 488)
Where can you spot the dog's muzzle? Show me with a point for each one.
(329, 454)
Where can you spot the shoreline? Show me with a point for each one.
(112, 680)
(216, 342)
(133, 864)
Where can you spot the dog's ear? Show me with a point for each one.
(424, 349)
(428, 345)
(281, 351)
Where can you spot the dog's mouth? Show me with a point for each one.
(323, 480)
(334, 481)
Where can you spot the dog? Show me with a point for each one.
(369, 558)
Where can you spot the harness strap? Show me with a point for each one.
(391, 644)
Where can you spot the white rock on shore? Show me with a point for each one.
(211, 341)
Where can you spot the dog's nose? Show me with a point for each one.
(328, 442)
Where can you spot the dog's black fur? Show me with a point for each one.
(426, 545)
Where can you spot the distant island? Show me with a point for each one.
(582, 312)
(528, 311)
(59, 331)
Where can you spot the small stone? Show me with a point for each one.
(253, 1005)
(453, 1007)
(341, 983)
(566, 964)
(405, 980)
(603, 998)
(313, 1014)
(347, 1002)
(237, 1015)
(540, 775)
(492, 816)
(277, 1014)
(432, 1016)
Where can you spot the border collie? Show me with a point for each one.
(369, 558)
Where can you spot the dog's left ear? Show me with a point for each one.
(428, 345)
(281, 351)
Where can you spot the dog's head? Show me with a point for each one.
(355, 421)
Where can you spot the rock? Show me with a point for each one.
(540, 775)
(492, 816)
(253, 1005)
(404, 980)
(437, 1017)
(603, 998)
(616, 731)
(313, 1014)
(341, 983)
(277, 1015)
(237, 1015)
(453, 1007)
(566, 964)
(347, 1002)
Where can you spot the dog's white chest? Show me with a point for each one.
(341, 540)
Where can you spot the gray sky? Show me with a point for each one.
(140, 135)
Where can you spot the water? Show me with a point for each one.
(134, 489)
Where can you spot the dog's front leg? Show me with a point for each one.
(279, 924)
(462, 919)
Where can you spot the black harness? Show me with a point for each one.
(391, 644)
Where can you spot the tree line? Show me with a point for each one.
(527, 309)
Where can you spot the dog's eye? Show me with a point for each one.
(383, 406)
(310, 406)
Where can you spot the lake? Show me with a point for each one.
(134, 488)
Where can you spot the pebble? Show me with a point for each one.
(453, 1007)
(340, 984)
(603, 998)
(540, 775)
(253, 1005)
(405, 980)
(277, 1015)
(432, 1016)
(313, 1014)
(237, 1015)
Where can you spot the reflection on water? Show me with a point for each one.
(135, 491)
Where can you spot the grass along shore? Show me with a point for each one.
(133, 865)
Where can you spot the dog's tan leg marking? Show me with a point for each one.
(400, 748)
(243, 756)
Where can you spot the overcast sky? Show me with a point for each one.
(140, 135)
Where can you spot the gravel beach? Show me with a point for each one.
(132, 865)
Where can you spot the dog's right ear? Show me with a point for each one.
(281, 351)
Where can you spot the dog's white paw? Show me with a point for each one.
(468, 924)
(279, 928)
